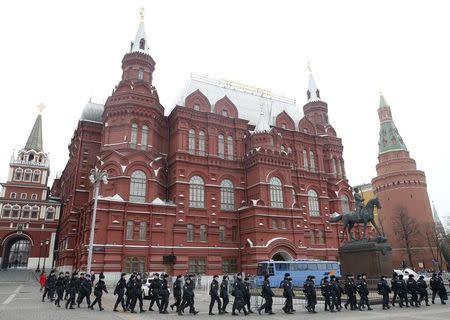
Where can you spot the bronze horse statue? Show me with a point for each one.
(365, 215)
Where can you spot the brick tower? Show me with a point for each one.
(406, 212)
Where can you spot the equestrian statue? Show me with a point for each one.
(362, 214)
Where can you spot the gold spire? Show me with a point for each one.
(40, 107)
(142, 13)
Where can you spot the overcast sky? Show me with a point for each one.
(62, 53)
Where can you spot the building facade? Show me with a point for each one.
(29, 215)
(232, 176)
(406, 215)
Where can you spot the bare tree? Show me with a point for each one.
(434, 242)
(407, 230)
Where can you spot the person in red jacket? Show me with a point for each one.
(42, 280)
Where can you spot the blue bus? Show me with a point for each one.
(299, 270)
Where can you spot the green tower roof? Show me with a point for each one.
(390, 139)
(35, 139)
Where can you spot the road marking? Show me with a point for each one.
(11, 297)
(18, 288)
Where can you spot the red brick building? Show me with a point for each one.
(28, 214)
(402, 190)
(233, 175)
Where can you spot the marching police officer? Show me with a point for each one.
(59, 289)
(422, 290)
(288, 293)
(363, 290)
(224, 293)
(411, 288)
(214, 294)
(247, 294)
(384, 290)
(72, 288)
(238, 293)
(402, 291)
(310, 292)
(188, 298)
(165, 293)
(66, 282)
(50, 286)
(433, 286)
(267, 294)
(177, 287)
(130, 291)
(120, 291)
(334, 292)
(441, 290)
(136, 294)
(99, 288)
(85, 290)
(155, 291)
(350, 291)
(394, 286)
(325, 290)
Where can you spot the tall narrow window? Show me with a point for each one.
(234, 233)
(201, 143)
(333, 166)
(6, 212)
(26, 212)
(221, 146)
(143, 230)
(27, 175)
(13, 195)
(196, 107)
(226, 195)
(50, 214)
(321, 237)
(294, 200)
(18, 174)
(313, 203)
(230, 147)
(134, 133)
(345, 203)
(130, 227)
(141, 74)
(144, 137)
(36, 175)
(222, 234)
(312, 237)
(15, 211)
(138, 186)
(34, 212)
(305, 159)
(338, 165)
(190, 233)
(23, 196)
(191, 141)
(276, 193)
(203, 233)
(196, 192)
(142, 44)
(312, 162)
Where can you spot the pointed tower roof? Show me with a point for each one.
(140, 43)
(262, 125)
(313, 93)
(390, 139)
(34, 141)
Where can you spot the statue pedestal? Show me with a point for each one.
(372, 258)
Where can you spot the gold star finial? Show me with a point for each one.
(40, 107)
(142, 13)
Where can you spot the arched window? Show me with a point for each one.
(141, 74)
(191, 141)
(138, 186)
(15, 211)
(142, 44)
(227, 195)
(201, 143)
(312, 161)
(221, 146)
(27, 175)
(34, 212)
(6, 212)
(50, 213)
(36, 175)
(190, 233)
(134, 132)
(203, 233)
(13, 195)
(333, 166)
(26, 212)
(230, 147)
(313, 203)
(338, 165)
(144, 137)
(345, 203)
(34, 196)
(18, 174)
(305, 159)
(276, 193)
(196, 192)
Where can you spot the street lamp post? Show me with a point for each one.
(96, 178)
(38, 269)
(45, 250)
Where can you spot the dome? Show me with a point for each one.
(92, 112)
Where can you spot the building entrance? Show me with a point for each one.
(16, 253)
(281, 256)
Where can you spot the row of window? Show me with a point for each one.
(199, 148)
(23, 196)
(134, 136)
(195, 265)
(27, 175)
(25, 212)
(31, 157)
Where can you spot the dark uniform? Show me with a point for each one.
(422, 290)
(60, 286)
(238, 292)
(288, 293)
(165, 293)
(402, 291)
(363, 290)
(325, 291)
(120, 291)
(188, 298)
(411, 288)
(99, 288)
(441, 290)
(394, 286)
(130, 293)
(72, 288)
(50, 286)
(350, 291)
(137, 294)
(155, 291)
(66, 283)
(310, 292)
(247, 294)
(85, 290)
(224, 293)
(177, 288)
(384, 290)
(267, 294)
(214, 294)
(334, 291)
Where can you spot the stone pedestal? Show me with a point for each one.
(372, 258)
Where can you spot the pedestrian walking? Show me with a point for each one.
(214, 296)
(267, 294)
(120, 291)
(72, 288)
(188, 298)
(155, 291)
(165, 294)
(59, 286)
(177, 290)
(238, 293)
(99, 288)
(42, 280)
(411, 288)
(309, 289)
(422, 290)
(384, 290)
(224, 293)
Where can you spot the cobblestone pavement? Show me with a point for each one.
(20, 298)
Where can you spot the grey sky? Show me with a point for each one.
(62, 53)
